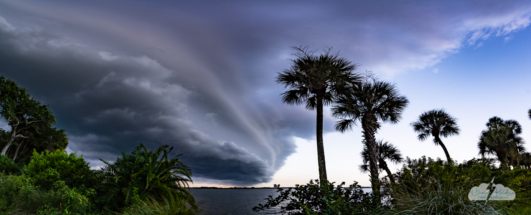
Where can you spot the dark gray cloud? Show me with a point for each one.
(201, 76)
(110, 103)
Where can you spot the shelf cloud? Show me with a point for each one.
(201, 76)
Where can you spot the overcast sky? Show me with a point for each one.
(200, 76)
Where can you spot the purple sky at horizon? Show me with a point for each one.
(200, 76)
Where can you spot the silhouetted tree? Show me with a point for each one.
(501, 139)
(436, 123)
(315, 81)
(386, 151)
(369, 102)
(25, 116)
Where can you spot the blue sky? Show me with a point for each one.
(200, 76)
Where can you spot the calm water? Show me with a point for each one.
(234, 201)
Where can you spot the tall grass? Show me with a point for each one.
(441, 199)
(173, 206)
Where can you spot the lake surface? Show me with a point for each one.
(234, 201)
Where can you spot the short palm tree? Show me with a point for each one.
(386, 151)
(436, 123)
(145, 174)
(315, 81)
(369, 102)
(501, 139)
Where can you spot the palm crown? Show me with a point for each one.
(310, 76)
(380, 100)
(386, 151)
(501, 139)
(369, 102)
(436, 123)
(147, 174)
(317, 81)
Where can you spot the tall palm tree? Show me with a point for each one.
(316, 81)
(501, 139)
(436, 123)
(386, 151)
(369, 102)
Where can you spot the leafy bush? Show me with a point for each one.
(519, 180)
(7, 166)
(427, 186)
(18, 195)
(13, 191)
(142, 175)
(49, 167)
(330, 199)
(61, 199)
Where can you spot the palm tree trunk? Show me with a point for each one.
(383, 165)
(369, 128)
(444, 148)
(320, 147)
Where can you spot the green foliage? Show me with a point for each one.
(21, 112)
(18, 195)
(7, 166)
(61, 199)
(142, 175)
(48, 139)
(159, 207)
(30, 124)
(329, 199)
(427, 186)
(47, 168)
(519, 180)
(14, 190)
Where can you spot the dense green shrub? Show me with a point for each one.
(14, 190)
(61, 199)
(144, 175)
(47, 168)
(329, 199)
(519, 180)
(18, 195)
(427, 186)
(7, 166)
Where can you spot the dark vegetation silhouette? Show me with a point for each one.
(436, 123)
(422, 186)
(386, 152)
(502, 140)
(369, 102)
(315, 81)
(39, 177)
(30, 124)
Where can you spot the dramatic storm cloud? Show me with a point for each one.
(201, 76)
